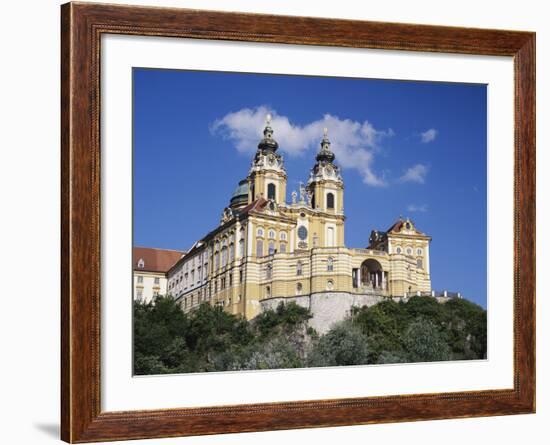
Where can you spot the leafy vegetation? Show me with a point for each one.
(166, 340)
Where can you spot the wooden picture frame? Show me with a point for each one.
(82, 26)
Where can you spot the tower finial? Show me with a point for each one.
(268, 143)
(325, 154)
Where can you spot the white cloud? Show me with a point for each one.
(428, 135)
(417, 208)
(354, 143)
(416, 173)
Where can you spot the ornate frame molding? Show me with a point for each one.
(82, 25)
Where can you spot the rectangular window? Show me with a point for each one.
(330, 236)
(259, 248)
(140, 279)
(283, 247)
(240, 276)
(230, 279)
(354, 275)
(157, 280)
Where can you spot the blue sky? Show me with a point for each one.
(417, 149)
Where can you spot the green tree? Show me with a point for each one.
(383, 324)
(344, 344)
(424, 343)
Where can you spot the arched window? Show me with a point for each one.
(260, 232)
(313, 200)
(409, 251)
(268, 291)
(241, 247)
(271, 248)
(271, 191)
(231, 252)
(259, 248)
(330, 265)
(299, 270)
(419, 263)
(330, 200)
(271, 234)
(269, 271)
(283, 236)
(398, 250)
(419, 252)
(298, 288)
(224, 256)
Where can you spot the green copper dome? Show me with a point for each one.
(239, 197)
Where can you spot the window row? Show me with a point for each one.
(408, 251)
(271, 234)
(271, 248)
(156, 280)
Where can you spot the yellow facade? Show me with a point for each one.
(269, 249)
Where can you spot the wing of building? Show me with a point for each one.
(266, 250)
(150, 268)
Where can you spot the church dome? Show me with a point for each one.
(239, 198)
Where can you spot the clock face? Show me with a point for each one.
(302, 232)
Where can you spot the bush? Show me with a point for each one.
(166, 340)
(424, 343)
(344, 344)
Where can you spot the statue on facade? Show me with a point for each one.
(294, 196)
(302, 193)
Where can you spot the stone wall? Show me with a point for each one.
(327, 307)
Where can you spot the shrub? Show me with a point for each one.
(424, 343)
(344, 344)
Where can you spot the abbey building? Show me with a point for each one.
(266, 250)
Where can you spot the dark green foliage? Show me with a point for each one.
(344, 344)
(383, 325)
(424, 343)
(209, 339)
(455, 330)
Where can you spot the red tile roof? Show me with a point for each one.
(258, 204)
(155, 260)
(396, 227)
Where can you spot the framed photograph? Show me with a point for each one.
(274, 222)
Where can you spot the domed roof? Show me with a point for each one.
(242, 189)
(268, 143)
(240, 195)
(325, 154)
